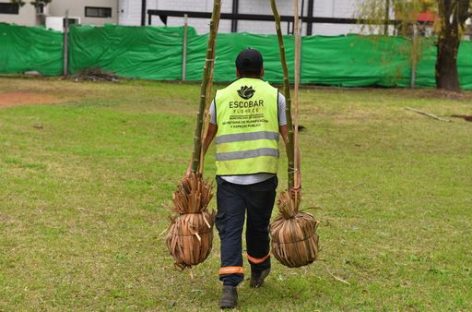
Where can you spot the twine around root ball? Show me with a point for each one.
(293, 233)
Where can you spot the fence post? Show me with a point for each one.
(387, 17)
(184, 48)
(414, 56)
(66, 44)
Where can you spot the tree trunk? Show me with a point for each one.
(453, 14)
(447, 76)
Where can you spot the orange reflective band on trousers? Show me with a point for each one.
(231, 270)
(257, 260)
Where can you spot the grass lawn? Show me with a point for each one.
(86, 179)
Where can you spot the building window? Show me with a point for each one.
(70, 21)
(39, 8)
(97, 12)
(9, 8)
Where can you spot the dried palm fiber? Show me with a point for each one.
(190, 235)
(293, 233)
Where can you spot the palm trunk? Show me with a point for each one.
(197, 155)
(293, 233)
(290, 142)
(296, 152)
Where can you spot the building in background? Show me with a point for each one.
(131, 13)
(135, 13)
(321, 17)
(12, 13)
(94, 12)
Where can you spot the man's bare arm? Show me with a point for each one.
(211, 132)
(210, 135)
(283, 130)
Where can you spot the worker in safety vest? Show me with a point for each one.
(246, 120)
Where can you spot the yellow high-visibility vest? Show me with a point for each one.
(248, 128)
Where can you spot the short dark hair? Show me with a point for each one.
(249, 62)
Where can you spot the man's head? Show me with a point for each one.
(249, 63)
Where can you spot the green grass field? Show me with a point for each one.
(86, 184)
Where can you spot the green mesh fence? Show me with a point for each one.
(135, 52)
(30, 48)
(157, 53)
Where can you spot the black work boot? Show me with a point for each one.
(229, 297)
(257, 278)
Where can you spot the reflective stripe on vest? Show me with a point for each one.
(247, 136)
(248, 154)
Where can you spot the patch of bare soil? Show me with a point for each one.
(465, 117)
(10, 99)
(95, 74)
(442, 94)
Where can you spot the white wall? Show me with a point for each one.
(130, 14)
(335, 8)
(26, 16)
(77, 9)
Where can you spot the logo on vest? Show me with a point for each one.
(246, 92)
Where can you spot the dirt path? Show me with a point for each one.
(10, 99)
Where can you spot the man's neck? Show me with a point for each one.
(252, 77)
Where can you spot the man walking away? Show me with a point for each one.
(246, 119)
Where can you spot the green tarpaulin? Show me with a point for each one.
(30, 49)
(157, 53)
(135, 52)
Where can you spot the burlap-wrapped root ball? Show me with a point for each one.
(293, 234)
(190, 235)
(190, 238)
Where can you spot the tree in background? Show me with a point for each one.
(449, 28)
(452, 17)
(407, 13)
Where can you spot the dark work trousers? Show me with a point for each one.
(233, 201)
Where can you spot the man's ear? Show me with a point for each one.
(262, 72)
(238, 75)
